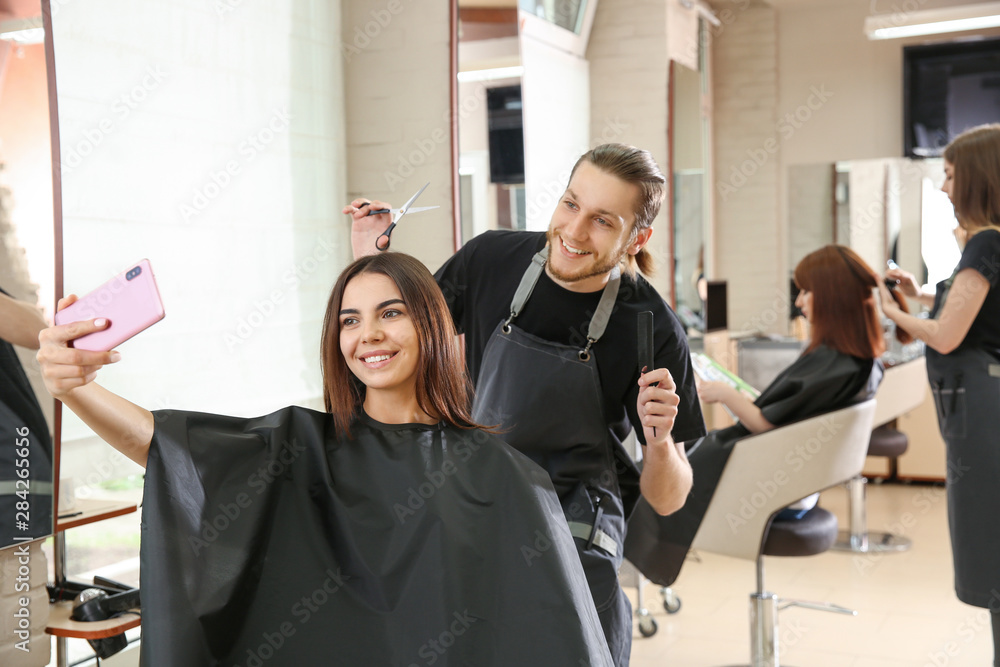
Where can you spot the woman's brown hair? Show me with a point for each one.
(975, 158)
(443, 387)
(845, 316)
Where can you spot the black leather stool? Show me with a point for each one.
(813, 534)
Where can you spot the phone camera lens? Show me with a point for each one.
(133, 273)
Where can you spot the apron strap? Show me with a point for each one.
(598, 322)
(595, 535)
(526, 285)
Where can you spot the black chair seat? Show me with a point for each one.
(813, 534)
(886, 441)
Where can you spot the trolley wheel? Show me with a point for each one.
(647, 626)
(671, 603)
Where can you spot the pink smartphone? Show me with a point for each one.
(130, 302)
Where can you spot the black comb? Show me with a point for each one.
(646, 343)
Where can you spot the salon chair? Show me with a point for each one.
(766, 473)
(903, 388)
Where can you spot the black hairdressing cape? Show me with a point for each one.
(276, 541)
(23, 428)
(823, 380)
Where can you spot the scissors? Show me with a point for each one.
(397, 214)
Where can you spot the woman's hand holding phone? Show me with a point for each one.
(63, 367)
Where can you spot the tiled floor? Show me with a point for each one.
(908, 615)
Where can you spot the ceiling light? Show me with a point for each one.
(933, 21)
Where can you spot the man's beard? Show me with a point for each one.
(600, 266)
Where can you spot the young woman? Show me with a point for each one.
(839, 367)
(391, 530)
(963, 365)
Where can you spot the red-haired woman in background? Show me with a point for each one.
(963, 365)
(389, 530)
(845, 340)
(839, 367)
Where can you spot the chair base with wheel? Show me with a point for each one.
(813, 534)
(671, 604)
(837, 443)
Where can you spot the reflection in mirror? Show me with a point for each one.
(811, 209)
(885, 209)
(27, 275)
(939, 248)
(689, 139)
(817, 216)
(842, 198)
(898, 213)
(568, 14)
(491, 145)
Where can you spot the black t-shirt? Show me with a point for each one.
(479, 282)
(982, 253)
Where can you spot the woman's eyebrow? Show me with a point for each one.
(355, 311)
(388, 303)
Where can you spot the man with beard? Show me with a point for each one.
(550, 324)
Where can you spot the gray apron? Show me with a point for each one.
(966, 388)
(547, 399)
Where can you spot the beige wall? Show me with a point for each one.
(825, 47)
(825, 93)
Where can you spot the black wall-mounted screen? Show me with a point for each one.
(948, 88)
(506, 135)
(716, 306)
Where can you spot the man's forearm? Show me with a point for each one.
(666, 476)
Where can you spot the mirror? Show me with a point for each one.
(690, 190)
(491, 138)
(27, 273)
(521, 67)
(885, 209)
(226, 169)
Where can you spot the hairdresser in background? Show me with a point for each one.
(963, 365)
(839, 367)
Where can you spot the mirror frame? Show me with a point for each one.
(57, 238)
(456, 204)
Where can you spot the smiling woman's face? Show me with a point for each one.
(377, 336)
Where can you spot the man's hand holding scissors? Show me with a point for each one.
(361, 233)
(367, 226)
